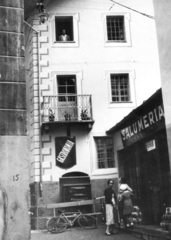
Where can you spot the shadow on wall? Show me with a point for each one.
(3, 212)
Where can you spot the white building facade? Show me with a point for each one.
(80, 88)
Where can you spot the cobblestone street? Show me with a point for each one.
(80, 234)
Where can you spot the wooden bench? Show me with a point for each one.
(77, 203)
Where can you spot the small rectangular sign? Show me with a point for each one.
(168, 210)
(150, 145)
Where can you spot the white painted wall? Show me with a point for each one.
(93, 58)
(94, 61)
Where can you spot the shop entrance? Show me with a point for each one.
(129, 168)
(142, 171)
(150, 185)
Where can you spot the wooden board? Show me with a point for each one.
(70, 204)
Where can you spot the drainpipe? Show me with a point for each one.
(40, 122)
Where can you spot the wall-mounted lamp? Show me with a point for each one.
(43, 16)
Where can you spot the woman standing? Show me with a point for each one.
(110, 201)
(125, 202)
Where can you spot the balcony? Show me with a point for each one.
(67, 109)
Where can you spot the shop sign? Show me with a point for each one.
(65, 152)
(144, 125)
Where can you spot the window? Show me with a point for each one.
(66, 86)
(64, 23)
(105, 156)
(64, 29)
(115, 28)
(70, 80)
(120, 88)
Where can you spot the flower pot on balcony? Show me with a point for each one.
(51, 115)
(84, 115)
(51, 118)
(67, 117)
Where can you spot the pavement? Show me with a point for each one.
(80, 234)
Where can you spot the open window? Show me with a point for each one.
(64, 28)
(64, 24)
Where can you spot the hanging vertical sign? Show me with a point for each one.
(65, 152)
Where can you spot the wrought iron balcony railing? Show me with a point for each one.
(67, 108)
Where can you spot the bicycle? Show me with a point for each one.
(59, 224)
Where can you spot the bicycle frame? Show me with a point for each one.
(60, 223)
(71, 223)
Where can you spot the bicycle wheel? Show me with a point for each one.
(87, 221)
(56, 225)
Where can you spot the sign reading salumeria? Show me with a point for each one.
(65, 152)
(144, 125)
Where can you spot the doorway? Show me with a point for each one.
(142, 171)
(129, 168)
(150, 185)
(76, 186)
(67, 99)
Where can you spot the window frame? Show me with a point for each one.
(64, 20)
(115, 43)
(131, 77)
(105, 153)
(101, 172)
(67, 85)
(79, 79)
(114, 22)
(119, 88)
(54, 42)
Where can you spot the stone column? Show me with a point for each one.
(14, 174)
